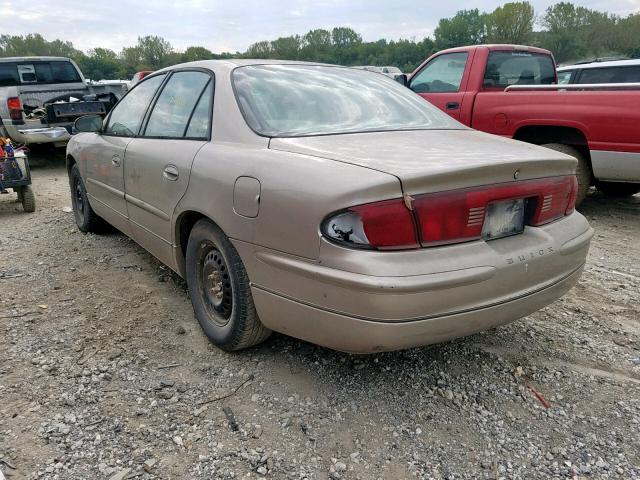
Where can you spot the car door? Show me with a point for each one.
(158, 162)
(104, 157)
(439, 81)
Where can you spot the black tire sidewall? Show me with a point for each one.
(82, 220)
(203, 235)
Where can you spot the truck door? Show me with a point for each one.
(441, 81)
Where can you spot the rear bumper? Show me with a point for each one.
(361, 301)
(358, 335)
(20, 134)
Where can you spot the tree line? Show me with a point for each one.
(571, 32)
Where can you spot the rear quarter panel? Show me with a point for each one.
(296, 193)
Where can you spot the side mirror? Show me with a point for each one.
(88, 123)
(402, 79)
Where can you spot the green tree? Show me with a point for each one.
(35, 44)
(193, 54)
(286, 48)
(467, 27)
(511, 23)
(154, 51)
(628, 35)
(317, 45)
(99, 64)
(260, 49)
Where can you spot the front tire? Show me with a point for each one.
(220, 290)
(86, 219)
(618, 189)
(583, 170)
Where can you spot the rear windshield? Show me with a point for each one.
(299, 100)
(506, 68)
(37, 73)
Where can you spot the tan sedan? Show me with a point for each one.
(329, 204)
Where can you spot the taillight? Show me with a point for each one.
(14, 104)
(386, 225)
(443, 218)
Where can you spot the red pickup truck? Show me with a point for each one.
(512, 90)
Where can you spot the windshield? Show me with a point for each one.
(298, 100)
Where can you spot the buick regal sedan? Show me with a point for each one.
(328, 204)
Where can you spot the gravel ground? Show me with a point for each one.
(105, 374)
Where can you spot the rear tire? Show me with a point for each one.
(618, 189)
(85, 217)
(28, 199)
(220, 290)
(583, 170)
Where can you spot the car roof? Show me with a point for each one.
(34, 59)
(232, 63)
(612, 63)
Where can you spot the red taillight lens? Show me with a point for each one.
(14, 104)
(448, 217)
(388, 224)
(556, 198)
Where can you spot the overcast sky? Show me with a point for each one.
(233, 25)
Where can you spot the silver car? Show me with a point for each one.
(329, 204)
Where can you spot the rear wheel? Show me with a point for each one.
(28, 199)
(86, 218)
(583, 170)
(618, 189)
(220, 291)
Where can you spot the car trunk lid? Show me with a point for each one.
(429, 161)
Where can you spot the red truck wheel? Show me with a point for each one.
(583, 170)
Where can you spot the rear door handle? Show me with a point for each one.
(452, 105)
(115, 160)
(171, 173)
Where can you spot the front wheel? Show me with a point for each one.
(583, 170)
(618, 189)
(220, 290)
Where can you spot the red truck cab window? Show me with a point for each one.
(513, 67)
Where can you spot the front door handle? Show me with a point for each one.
(115, 160)
(171, 173)
(452, 105)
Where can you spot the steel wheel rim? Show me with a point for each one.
(216, 289)
(79, 200)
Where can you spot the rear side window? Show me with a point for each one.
(506, 68)
(37, 73)
(173, 110)
(610, 75)
(126, 117)
(442, 74)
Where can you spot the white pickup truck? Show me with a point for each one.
(40, 98)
